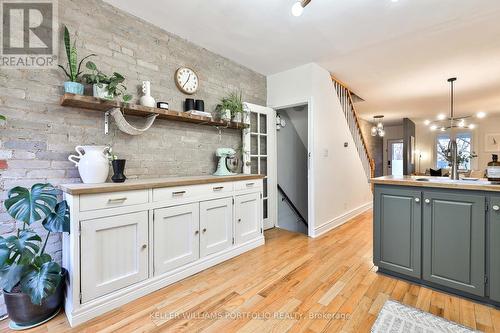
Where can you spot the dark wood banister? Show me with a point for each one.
(290, 203)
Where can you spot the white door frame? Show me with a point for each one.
(310, 160)
(272, 177)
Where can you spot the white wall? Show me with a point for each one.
(338, 184)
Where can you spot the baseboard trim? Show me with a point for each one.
(338, 221)
(114, 300)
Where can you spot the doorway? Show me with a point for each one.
(395, 157)
(292, 139)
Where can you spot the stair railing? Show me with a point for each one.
(291, 205)
(345, 96)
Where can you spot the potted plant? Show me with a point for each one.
(73, 72)
(118, 167)
(32, 282)
(106, 86)
(231, 107)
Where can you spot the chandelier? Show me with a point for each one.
(378, 129)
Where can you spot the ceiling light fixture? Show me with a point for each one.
(298, 7)
(379, 128)
(481, 114)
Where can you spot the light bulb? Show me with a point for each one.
(461, 124)
(472, 126)
(441, 116)
(443, 129)
(381, 132)
(433, 127)
(380, 125)
(297, 9)
(374, 131)
(427, 122)
(481, 114)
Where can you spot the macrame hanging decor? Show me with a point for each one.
(126, 127)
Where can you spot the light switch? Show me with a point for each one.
(325, 152)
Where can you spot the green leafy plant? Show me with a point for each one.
(73, 71)
(2, 118)
(114, 83)
(23, 261)
(233, 103)
(111, 156)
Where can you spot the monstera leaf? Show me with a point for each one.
(23, 248)
(42, 281)
(31, 206)
(10, 275)
(58, 221)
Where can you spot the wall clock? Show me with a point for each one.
(186, 80)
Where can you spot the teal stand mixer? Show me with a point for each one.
(223, 154)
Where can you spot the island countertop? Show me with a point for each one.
(139, 184)
(438, 182)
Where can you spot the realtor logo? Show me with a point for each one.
(29, 34)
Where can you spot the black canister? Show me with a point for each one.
(199, 105)
(189, 104)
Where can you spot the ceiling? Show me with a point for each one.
(395, 55)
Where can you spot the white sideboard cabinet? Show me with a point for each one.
(128, 240)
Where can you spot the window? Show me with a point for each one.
(464, 143)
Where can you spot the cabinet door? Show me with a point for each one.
(495, 249)
(114, 253)
(454, 240)
(216, 225)
(397, 230)
(176, 237)
(248, 217)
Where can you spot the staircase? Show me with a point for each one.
(346, 100)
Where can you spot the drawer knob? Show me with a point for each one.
(417, 199)
(144, 246)
(204, 229)
(239, 220)
(427, 201)
(496, 207)
(196, 232)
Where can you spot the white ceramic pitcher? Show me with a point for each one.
(92, 163)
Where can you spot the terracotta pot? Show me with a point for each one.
(24, 313)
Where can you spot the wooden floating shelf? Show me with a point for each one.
(103, 105)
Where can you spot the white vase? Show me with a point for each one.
(237, 117)
(147, 100)
(92, 163)
(101, 92)
(226, 115)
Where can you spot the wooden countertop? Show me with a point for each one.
(140, 184)
(438, 182)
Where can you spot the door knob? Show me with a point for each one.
(427, 201)
(496, 207)
(239, 220)
(417, 199)
(196, 232)
(204, 229)
(144, 246)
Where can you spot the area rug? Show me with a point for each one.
(399, 318)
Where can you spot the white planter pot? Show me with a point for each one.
(101, 92)
(246, 117)
(226, 115)
(237, 117)
(147, 100)
(92, 163)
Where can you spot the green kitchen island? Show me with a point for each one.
(439, 232)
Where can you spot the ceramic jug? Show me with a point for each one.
(92, 163)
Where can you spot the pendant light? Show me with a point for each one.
(298, 7)
(378, 129)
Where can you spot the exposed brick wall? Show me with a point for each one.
(40, 134)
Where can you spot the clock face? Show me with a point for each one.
(186, 80)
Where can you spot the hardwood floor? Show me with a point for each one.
(328, 284)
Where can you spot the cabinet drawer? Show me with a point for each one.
(112, 200)
(187, 192)
(248, 185)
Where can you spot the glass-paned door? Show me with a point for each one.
(395, 157)
(259, 145)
